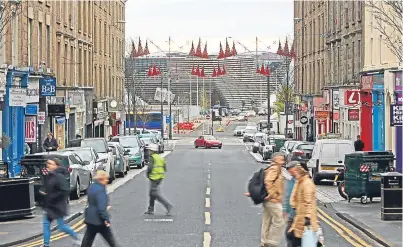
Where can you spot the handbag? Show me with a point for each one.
(309, 238)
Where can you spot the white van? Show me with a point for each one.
(327, 156)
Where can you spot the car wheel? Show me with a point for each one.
(196, 145)
(315, 177)
(205, 145)
(219, 147)
(254, 150)
(111, 176)
(75, 194)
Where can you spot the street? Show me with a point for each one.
(206, 187)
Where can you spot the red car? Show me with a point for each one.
(207, 141)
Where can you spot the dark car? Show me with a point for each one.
(301, 152)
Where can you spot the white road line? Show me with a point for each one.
(208, 176)
(207, 202)
(207, 218)
(207, 239)
(208, 190)
(159, 220)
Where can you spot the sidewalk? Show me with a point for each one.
(367, 218)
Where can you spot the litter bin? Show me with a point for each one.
(3, 170)
(391, 196)
(362, 175)
(17, 197)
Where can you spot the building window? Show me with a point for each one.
(30, 45)
(359, 55)
(81, 66)
(353, 60)
(40, 39)
(72, 66)
(353, 3)
(346, 63)
(80, 15)
(58, 68)
(48, 44)
(380, 49)
(371, 51)
(105, 38)
(95, 34)
(85, 69)
(65, 65)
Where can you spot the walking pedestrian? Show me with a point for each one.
(96, 214)
(273, 222)
(359, 144)
(50, 143)
(156, 173)
(56, 195)
(303, 199)
(289, 212)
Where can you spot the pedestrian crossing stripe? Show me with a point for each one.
(159, 220)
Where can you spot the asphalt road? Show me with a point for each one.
(206, 187)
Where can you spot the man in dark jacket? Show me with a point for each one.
(50, 143)
(56, 196)
(359, 144)
(96, 214)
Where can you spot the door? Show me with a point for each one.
(328, 156)
(200, 141)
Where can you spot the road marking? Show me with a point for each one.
(208, 190)
(338, 230)
(208, 176)
(207, 202)
(207, 239)
(207, 218)
(3, 233)
(159, 220)
(348, 231)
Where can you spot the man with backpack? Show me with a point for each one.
(266, 187)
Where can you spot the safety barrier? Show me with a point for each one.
(185, 126)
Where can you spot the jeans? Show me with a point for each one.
(92, 231)
(155, 194)
(61, 226)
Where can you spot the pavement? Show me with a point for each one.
(206, 187)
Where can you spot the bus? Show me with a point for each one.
(147, 120)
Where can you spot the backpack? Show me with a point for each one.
(257, 188)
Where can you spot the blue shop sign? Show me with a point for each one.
(48, 86)
(60, 120)
(167, 119)
(31, 110)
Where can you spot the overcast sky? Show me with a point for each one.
(211, 20)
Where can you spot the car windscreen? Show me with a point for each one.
(258, 138)
(98, 145)
(146, 140)
(209, 138)
(328, 151)
(129, 142)
(250, 131)
(84, 154)
(240, 128)
(306, 147)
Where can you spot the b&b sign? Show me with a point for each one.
(396, 115)
(48, 86)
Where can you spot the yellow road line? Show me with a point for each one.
(338, 230)
(348, 231)
(207, 218)
(207, 202)
(207, 239)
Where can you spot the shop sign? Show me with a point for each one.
(41, 117)
(336, 116)
(30, 129)
(351, 97)
(321, 114)
(18, 97)
(33, 91)
(353, 114)
(48, 86)
(31, 109)
(57, 110)
(396, 115)
(336, 101)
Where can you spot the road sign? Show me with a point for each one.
(167, 119)
(303, 120)
(396, 115)
(41, 117)
(351, 97)
(208, 117)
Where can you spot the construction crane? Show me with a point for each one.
(246, 48)
(156, 46)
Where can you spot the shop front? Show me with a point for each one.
(349, 108)
(89, 110)
(31, 112)
(322, 114)
(396, 118)
(101, 124)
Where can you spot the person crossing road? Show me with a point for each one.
(156, 173)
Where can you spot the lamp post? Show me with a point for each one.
(162, 107)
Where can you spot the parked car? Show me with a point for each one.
(90, 155)
(135, 147)
(262, 112)
(207, 141)
(286, 148)
(251, 113)
(258, 139)
(327, 157)
(266, 148)
(104, 152)
(121, 158)
(239, 130)
(235, 112)
(160, 142)
(78, 172)
(301, 152)
(249, 133)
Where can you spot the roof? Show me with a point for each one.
(334, 141)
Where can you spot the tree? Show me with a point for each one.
(388, 16)
(142, 109)
(285, 90)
